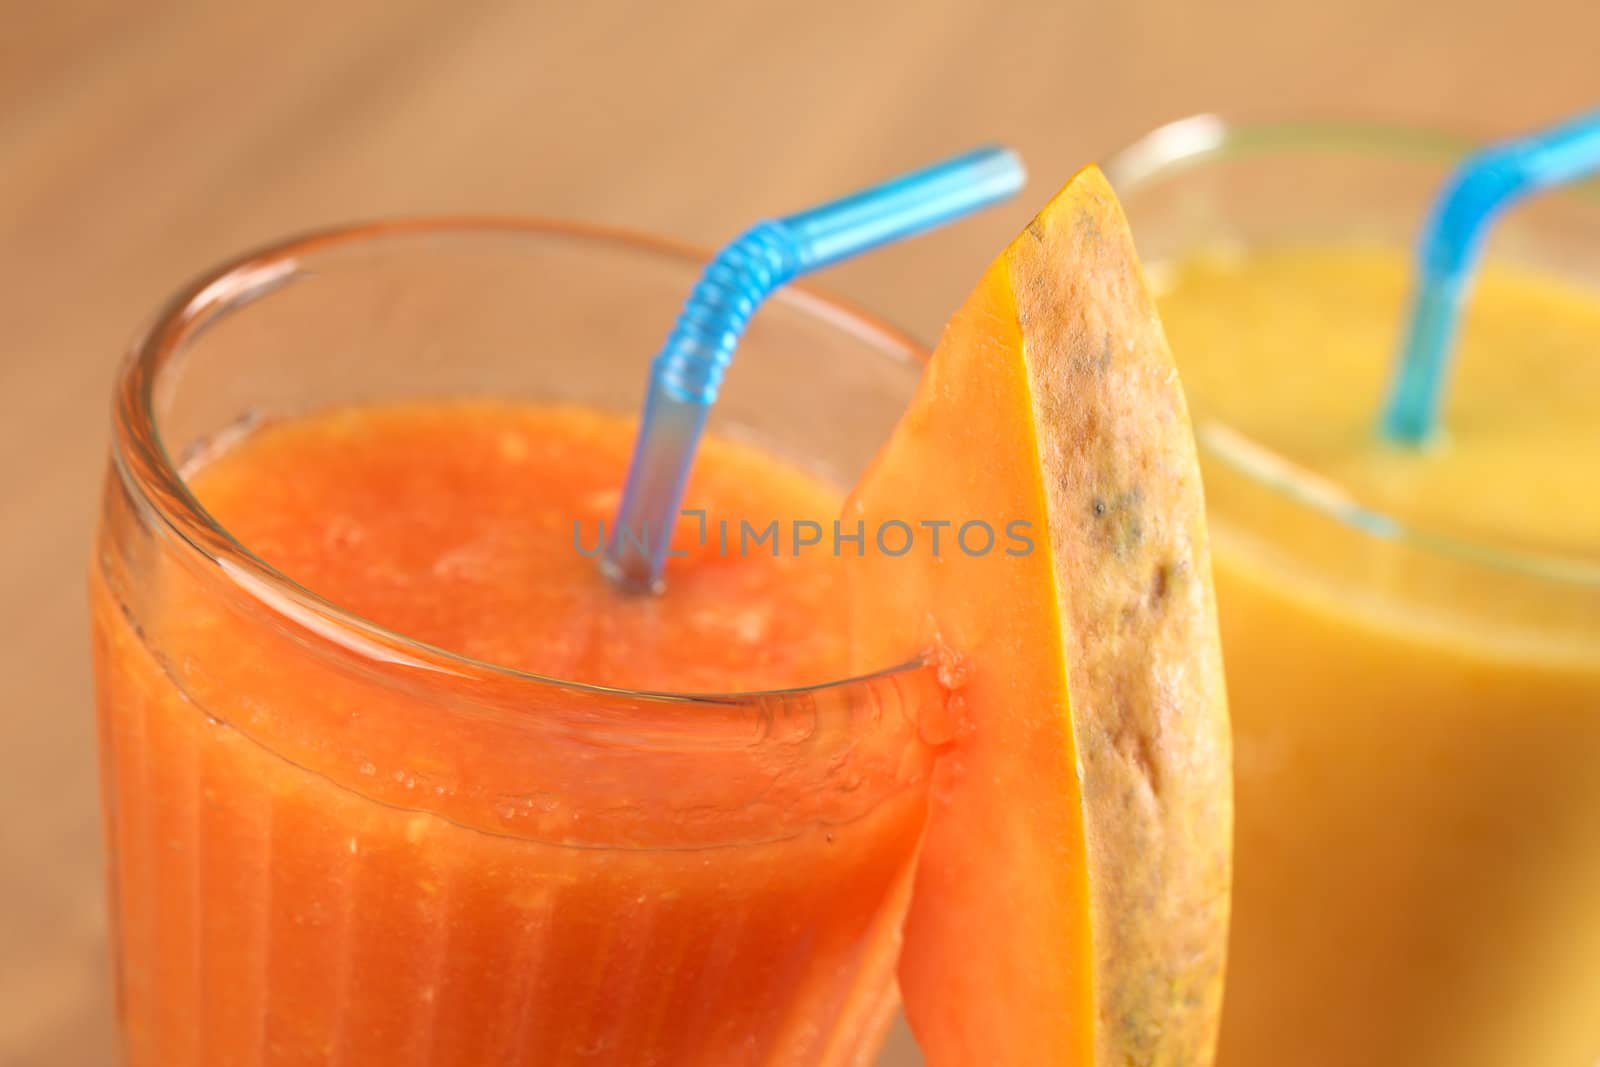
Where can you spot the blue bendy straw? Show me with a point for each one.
(1486, 183)
(686, 373)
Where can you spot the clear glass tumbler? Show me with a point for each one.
(1416, 716)
(329, 844)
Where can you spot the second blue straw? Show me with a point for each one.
(686, 374)
(1485, 184)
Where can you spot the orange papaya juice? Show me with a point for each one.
(319, 860)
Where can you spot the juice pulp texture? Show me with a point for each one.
(1417, 744)
(315, 862)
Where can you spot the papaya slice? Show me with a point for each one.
(1070, 904)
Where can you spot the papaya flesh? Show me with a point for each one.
(1070, 904)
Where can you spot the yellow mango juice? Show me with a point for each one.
(1413, 651)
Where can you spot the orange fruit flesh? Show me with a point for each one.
(1070, 904)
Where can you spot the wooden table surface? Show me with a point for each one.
(140, 143)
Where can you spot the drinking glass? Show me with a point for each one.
(332, 844)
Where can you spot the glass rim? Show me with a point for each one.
(155, 482)
(1198, 140)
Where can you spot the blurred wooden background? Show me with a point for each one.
(141, 142)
